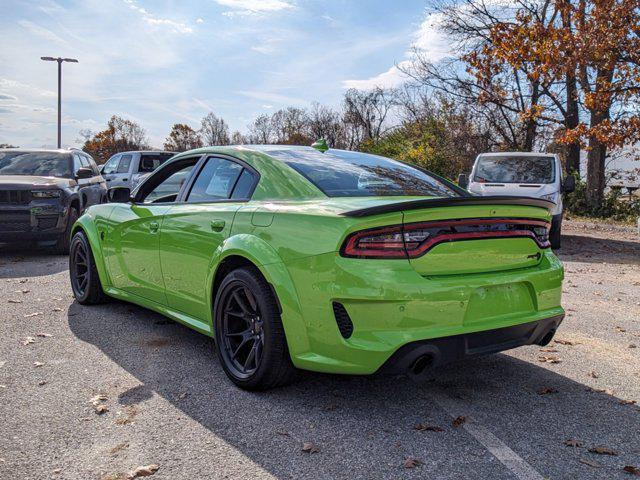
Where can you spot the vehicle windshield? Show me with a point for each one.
(515, 169)
(150, 161)
(340, 173)
(45, 164)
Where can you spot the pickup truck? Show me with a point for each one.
(125, 169)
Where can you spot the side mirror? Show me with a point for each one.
(569, 184)
(119, 195)
(84, 172)
(463, 181)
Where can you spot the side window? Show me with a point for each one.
(244, 185)
(125, 163)
(92, 164)
(167, 190)
(76, 163)
(111, 165)
(215, 181)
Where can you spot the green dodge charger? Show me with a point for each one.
(325, 260)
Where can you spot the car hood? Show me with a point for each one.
(513, 189)
(20, 182)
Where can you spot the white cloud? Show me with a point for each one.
(251, 7)
(177, 27)
(41, 32)
(428, 40)
(6, 96)
(272, 97)
(199, 20)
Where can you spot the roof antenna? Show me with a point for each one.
(320, 145)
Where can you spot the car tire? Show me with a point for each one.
(83, 274)
(555, 235)
(64, 240)
(250, 338)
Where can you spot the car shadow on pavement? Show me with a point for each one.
(598, 250)
(18, 262)
(364, 426)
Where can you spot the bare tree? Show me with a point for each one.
(324, 122)
(181, 138)
(289, 126)
(365, 114)
(237, 138)
(214, 130)
(260, 130)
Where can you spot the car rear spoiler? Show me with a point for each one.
(450, 202)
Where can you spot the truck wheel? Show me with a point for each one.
(64, 240)
(555, 235)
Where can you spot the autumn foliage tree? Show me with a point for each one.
(181, 138)
(120, 135)
(585, 56)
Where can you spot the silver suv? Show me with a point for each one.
(126, 169)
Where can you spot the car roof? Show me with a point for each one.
(39, 150)
(517, 154)
(146, 151)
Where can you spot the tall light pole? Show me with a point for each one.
(59, 60)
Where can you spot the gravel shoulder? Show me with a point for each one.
(167, 402)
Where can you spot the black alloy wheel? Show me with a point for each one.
(250, 338)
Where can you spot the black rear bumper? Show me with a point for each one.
(417, 357)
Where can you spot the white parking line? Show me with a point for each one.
(510, 459)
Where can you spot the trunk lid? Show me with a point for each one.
(477, 238)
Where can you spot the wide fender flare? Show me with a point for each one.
(267, 260)
(87, 224)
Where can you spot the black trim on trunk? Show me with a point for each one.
(450, 202)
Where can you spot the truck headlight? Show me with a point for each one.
(45, 193)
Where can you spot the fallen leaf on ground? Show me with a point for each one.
(620, 329)
(546, 390)
(459, 421)
(421, 427)
(283, 434)
(309, 447)
(11, 300)
(628, 402)
(97, 399)
(593, 374)
(38, 364)
(600, 390)
(28, 340)
(573, 443)
(411, 462)
(44, 335)
(100, 409)
(57, 309)
(565, 342)
(117, 448)
(549, 359)
(34, 314)
(591, 463)
(633, 345)
(42, 382)
(632, 470)
(602, 451)
(145, 471)
(549, 350)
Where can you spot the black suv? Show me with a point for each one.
(43, 192)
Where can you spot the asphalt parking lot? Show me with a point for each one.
(94, 393)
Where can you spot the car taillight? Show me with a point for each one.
(415, 239)
(377, 243)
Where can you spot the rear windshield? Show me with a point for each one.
(150, 161)
(45, 164)
(515, 169)
(350, 174)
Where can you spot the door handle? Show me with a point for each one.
(217, 225)
(153, 227)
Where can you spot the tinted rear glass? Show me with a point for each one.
(341, 173)
(150, 161)
(515, 169)
(45, 164)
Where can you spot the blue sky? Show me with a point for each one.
(165, 62)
